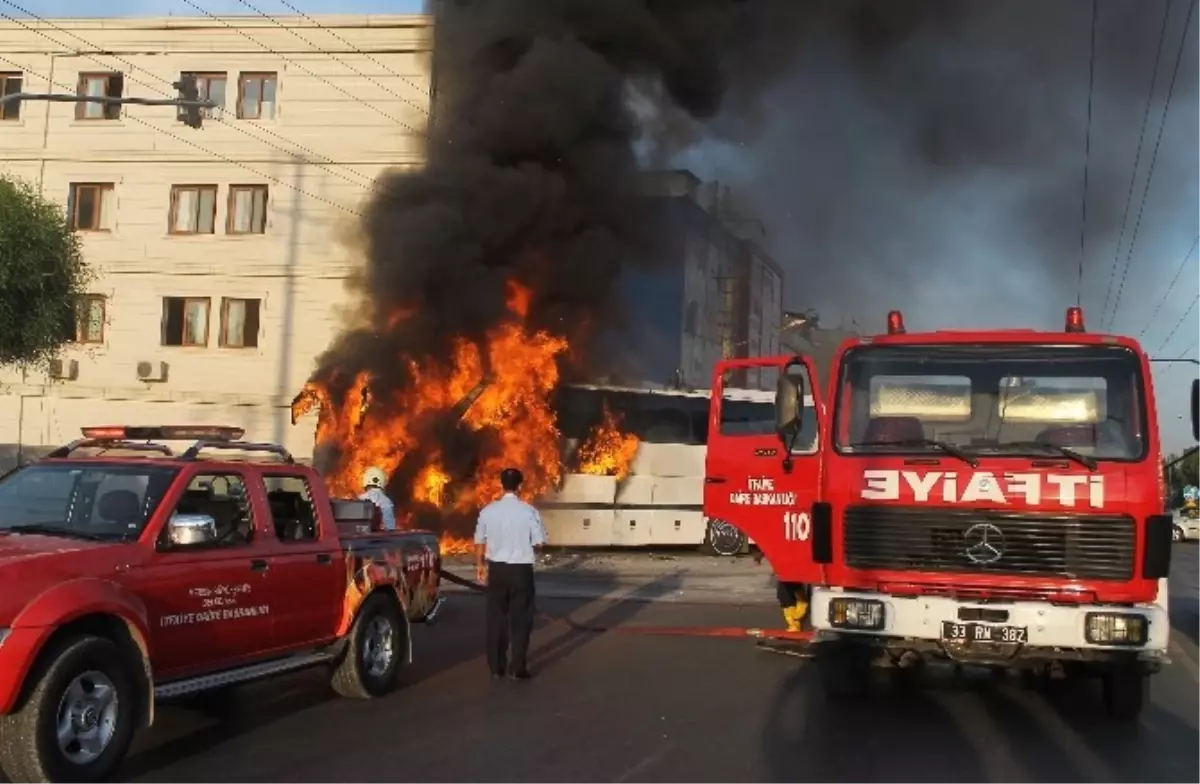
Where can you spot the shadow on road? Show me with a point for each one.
(194, 727)
(972, 727)
(616, 614)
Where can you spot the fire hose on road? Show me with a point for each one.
(726, 632)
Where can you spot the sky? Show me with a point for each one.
(180, 8)
(986, 289)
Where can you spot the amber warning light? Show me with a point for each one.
(163, 432)
(895, 323)
(1075, 319)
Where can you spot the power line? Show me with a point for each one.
(201, 147)
(1187, 352)
(1171, 287)
(1187, 28)
(334, 57)
(1112, 270)
(1178, 324)
(287, 59)
(1087, 157)
(402, 77)
(365, 179)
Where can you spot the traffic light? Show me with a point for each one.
(188, 91)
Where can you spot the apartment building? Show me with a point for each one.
(718, 294)
(221, 253)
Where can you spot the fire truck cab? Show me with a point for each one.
(987, 497)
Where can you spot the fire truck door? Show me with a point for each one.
(750, 479)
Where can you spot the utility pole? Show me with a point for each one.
(188, 99)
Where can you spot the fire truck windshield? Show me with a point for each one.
(992, 399)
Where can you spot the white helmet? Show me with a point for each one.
(374, 477)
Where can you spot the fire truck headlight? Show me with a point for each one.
(1115, 629)
(856, 614)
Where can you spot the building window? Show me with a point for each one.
(185, 321)
(247, 209)
(10, 84)
(193, 209)
(256, 96)
(90, 206)
(239, 323)
(109, 85)
(209, 87)
(87, 326)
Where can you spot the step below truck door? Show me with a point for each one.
(758, 479)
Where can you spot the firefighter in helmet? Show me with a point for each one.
(373, 480)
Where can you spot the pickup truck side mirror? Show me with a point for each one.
(1195, 406)
(789, 408)
(189, 530)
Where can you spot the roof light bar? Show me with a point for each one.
(163, 432)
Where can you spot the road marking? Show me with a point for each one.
(649, 761)
(1181, 655)
(982, 732)
(1067, 738)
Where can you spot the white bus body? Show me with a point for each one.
(661, 501)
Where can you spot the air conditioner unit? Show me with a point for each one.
(63, 369)
(152, 372)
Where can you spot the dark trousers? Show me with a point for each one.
(509, 615)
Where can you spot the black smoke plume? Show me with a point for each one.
(531, 175)
(930, 156)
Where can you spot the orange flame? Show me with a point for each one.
(608, 451)
(514, 408)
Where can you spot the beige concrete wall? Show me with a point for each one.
(352, 103)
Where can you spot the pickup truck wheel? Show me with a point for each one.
(1177, 534)
(375, 651)
(77, 721)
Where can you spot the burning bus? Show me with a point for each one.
(615, 466)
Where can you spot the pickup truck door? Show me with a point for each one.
(307, 565)
(209, 605)
(747, 481)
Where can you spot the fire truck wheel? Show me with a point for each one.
(723, 539)
(375, 651)
(77, 720)
(1125, 690)
(844, 671)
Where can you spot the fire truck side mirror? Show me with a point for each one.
(1195, 407)
(789, 407)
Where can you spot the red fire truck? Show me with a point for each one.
(987, 497)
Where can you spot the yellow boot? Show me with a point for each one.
(794, 615)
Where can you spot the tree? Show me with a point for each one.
(42, 276)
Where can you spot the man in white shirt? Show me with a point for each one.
(373, 481)
(506, 538)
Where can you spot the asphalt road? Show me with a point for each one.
(624, 707)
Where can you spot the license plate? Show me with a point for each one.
(983, 632)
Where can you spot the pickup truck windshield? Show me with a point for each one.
(83, 501)
(1045, 401)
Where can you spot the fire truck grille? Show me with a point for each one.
(973, 542)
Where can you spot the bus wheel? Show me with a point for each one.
(724, 539)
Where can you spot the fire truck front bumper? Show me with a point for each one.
(1018, 630)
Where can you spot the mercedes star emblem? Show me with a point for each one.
(985, 543)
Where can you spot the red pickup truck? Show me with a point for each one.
(130, 573)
